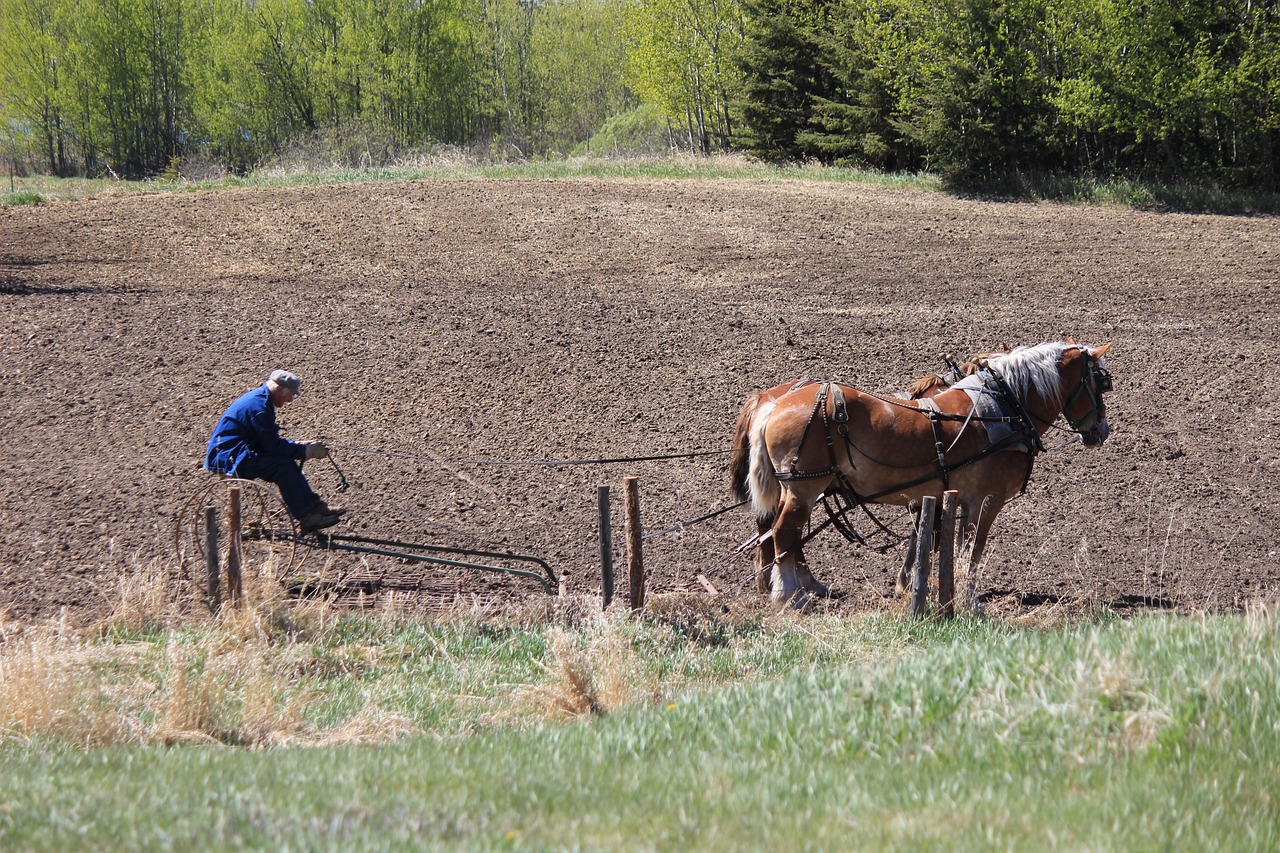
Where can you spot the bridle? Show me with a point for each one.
(1095, 380)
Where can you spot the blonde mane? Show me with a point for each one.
(1028, 369)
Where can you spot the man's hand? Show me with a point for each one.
(317, 450)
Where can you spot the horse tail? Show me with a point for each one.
(762, 479)
(740, 459)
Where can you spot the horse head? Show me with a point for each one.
(1085, 408)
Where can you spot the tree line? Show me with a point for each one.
(978, 89)
(129, 85)
(974, 90)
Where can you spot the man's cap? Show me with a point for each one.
(285, 379)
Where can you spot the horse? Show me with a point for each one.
(929, 385)
(979, 436)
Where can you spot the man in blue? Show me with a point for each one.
(247, 444)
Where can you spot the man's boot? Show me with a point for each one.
(317, 520)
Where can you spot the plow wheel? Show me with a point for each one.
(268, 534)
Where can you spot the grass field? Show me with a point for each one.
(300, 728)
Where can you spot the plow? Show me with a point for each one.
(228, 523)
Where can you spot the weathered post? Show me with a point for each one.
(234, 588)
(635, 557)
(924, 547)
(211, 557)
(606, 545)
(947, 554)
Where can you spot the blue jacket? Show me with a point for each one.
(246, 429)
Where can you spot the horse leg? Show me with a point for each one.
(909, 558)
(804, 576)
(788, 530)
(973, 539)
(765, 554)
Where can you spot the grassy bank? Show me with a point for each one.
(314, 172)
(692, 729)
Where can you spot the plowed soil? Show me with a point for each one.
(446, 330)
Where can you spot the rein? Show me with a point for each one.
(545, 463)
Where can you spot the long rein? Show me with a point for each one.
(549, 463)
(544, 463)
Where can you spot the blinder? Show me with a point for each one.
(1095, 380)
(1102, 378)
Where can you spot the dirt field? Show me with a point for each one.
(440, 327)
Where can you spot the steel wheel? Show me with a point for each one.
(268, 532)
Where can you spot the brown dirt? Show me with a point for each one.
(439, 326)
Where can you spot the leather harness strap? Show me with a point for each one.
(837, 412)
(930, 409)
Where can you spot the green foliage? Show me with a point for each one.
(123, 86)
(859, 123)
(640, 131)
(1176, 89)
(682, 57)
(985, 93)
(784, 82)
(34, 61)
(981, 91)
(23, 197)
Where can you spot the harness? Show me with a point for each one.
(830, 408)
(837, 412)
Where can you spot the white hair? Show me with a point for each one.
(1033, 368)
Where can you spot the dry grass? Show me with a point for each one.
(592, 671)
(49, 687)
(143, 599)
(240, 677)
(207, 679)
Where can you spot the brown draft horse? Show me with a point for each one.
(926, 386)
(979, 437)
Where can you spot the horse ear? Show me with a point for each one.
(1071, 339)
(1099, 352)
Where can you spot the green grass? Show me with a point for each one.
(23, 197)
(653, 168)
(1117, 192)
(756, 733)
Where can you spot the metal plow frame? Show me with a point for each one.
(406, 551)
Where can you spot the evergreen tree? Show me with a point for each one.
(785, 77)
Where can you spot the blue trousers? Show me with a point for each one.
(287, 476)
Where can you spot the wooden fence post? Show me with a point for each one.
(212, 569)
(947, 555)
(635, 556)
(924, 549)
(234, 588)
(606, 545)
